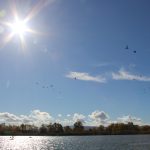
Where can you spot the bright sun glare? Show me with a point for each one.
(19, 27)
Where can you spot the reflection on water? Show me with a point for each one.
(133, 142)
(26, 143)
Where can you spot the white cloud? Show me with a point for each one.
(85, 77)
(9, 118)
(99, 115)
(99, 118)
(60, 115)
(65, 122)
(68, 115)
(38, 117)
(124, 75)
(26, 120)
(78, 117)
(128, 118)
(71, 119)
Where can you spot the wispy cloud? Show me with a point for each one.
(85, 77)
(125, 75)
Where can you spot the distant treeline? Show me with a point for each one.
(76, 129)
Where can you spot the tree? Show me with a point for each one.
(50, 129)
(67, 130)
(101, 129)
(58, 128)
(78, 127)
(23, 128)
(43, 129)
(55, 128)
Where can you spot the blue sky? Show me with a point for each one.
(77, 64)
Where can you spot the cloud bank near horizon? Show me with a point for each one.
(38, 118)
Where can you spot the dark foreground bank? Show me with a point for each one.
(76, 129)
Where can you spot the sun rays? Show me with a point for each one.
(18, 26)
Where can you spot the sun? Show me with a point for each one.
(19, 27)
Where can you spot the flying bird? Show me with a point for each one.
(37, 83)
(51, 85)
(127, 47)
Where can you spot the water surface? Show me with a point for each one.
(121, 142)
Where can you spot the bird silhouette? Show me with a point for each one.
(37, 83)
(51, 85)
(127, 47)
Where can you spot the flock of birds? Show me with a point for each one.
(45, 86)
(134, 51)
(48, 86)
(127, 47)
(75, 78)
(51, 86)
